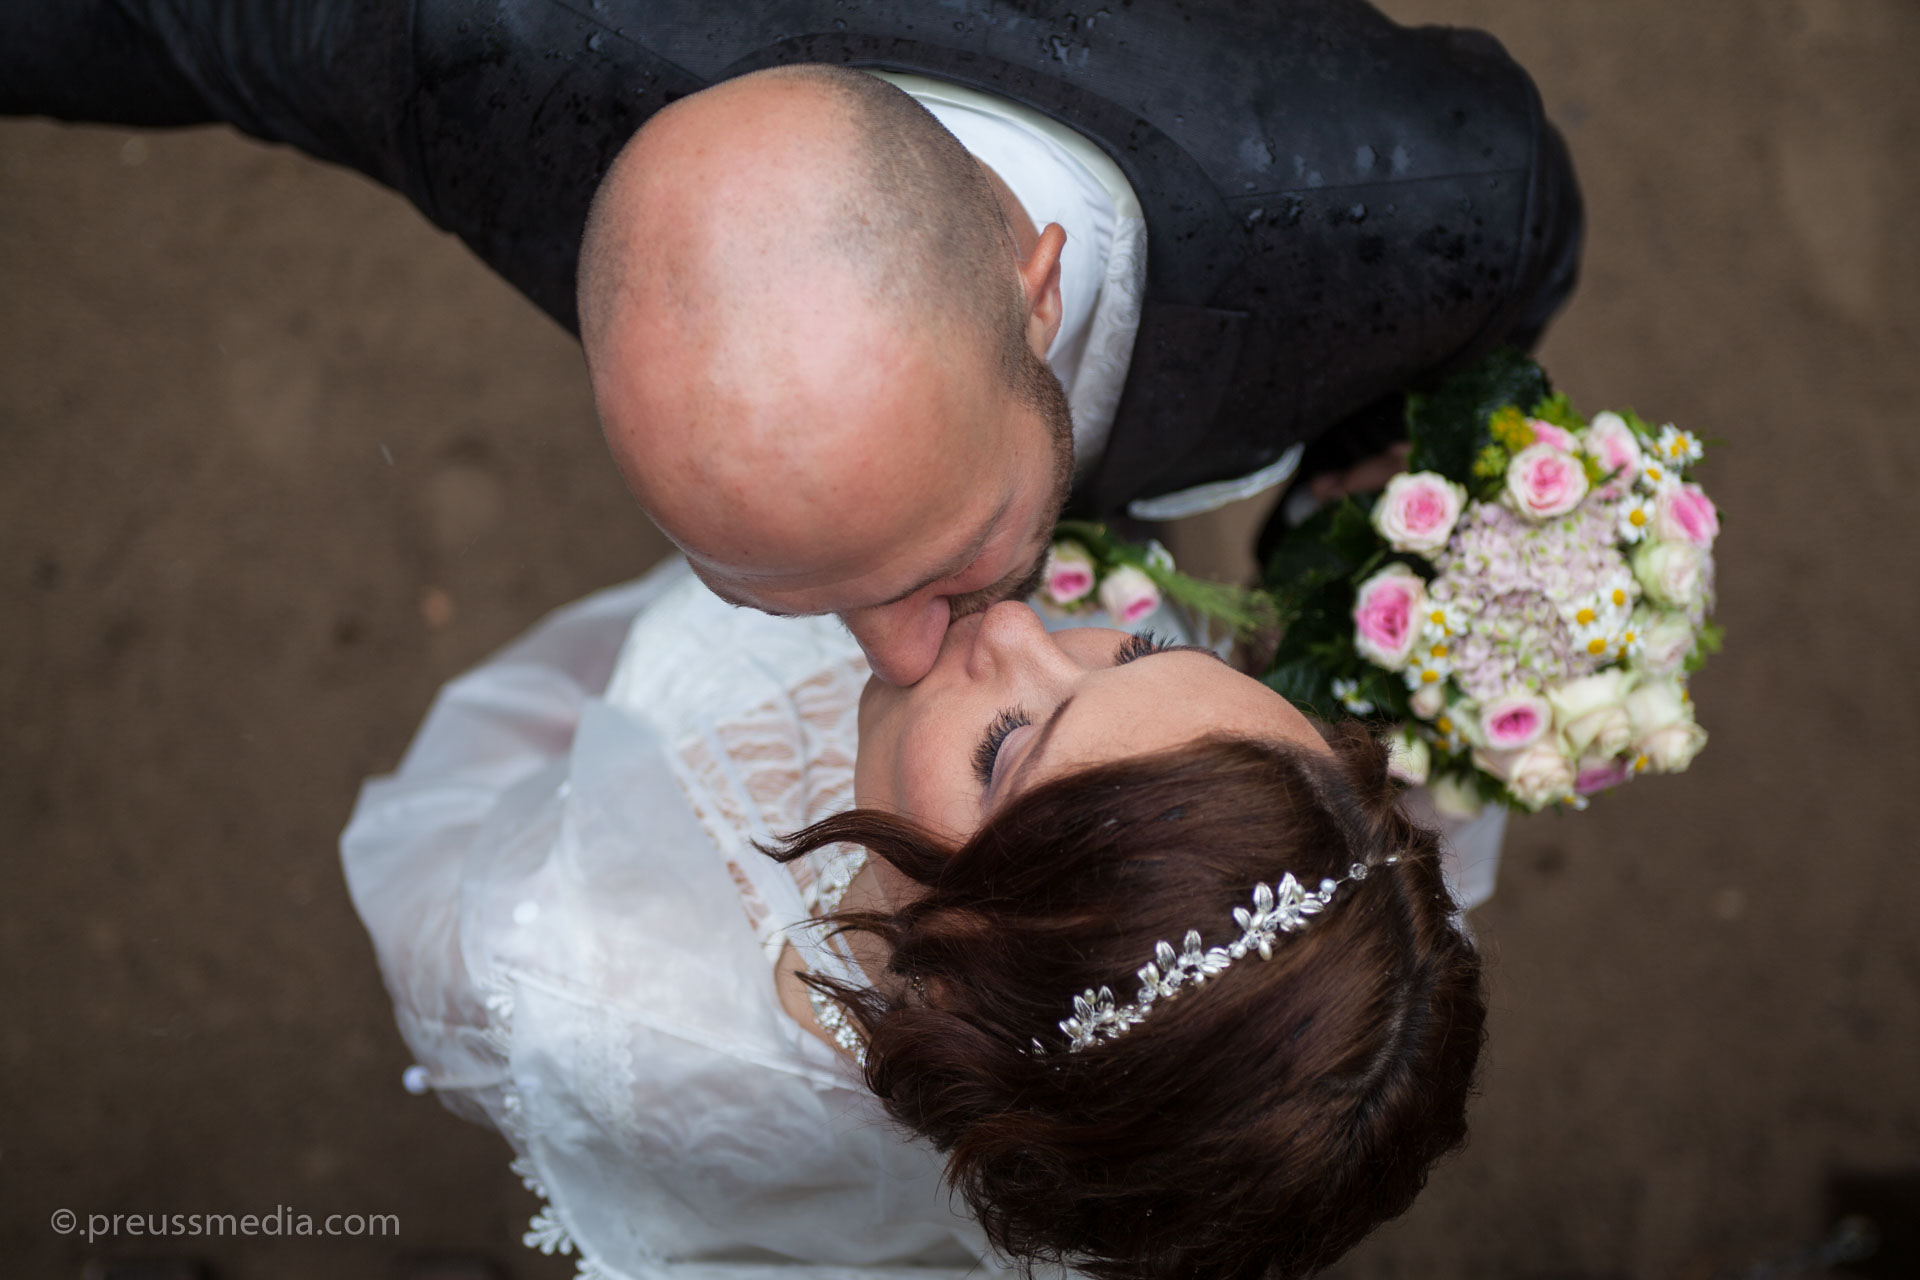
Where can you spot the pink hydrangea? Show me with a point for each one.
(1514, 581)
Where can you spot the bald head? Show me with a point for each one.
(803, 165)
(815, 346)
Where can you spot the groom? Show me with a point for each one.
(851, 364)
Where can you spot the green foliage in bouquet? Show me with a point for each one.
(1451, 428)
(1310, 579)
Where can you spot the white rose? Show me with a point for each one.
(1589, 713)
(1673, 748)
(1537, 775)
(1657, 704)
(1128, 595)
(1454, 796)
(1408, 756)
(1576, 698)
(1427, 701)
(1671, 573)
(1665, 641)
(1663, 726)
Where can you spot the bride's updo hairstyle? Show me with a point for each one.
(1255, 1126)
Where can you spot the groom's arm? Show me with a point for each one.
(496, 118)
(331, 77)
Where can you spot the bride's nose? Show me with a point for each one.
(1012, 637)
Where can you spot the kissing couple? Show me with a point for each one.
(809, 908)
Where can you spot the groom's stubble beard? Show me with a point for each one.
(1036, 385)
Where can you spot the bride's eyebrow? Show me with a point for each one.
(1039, 746)
(1053, 721)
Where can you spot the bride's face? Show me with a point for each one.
(1008, 706)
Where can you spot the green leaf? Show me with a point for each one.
(1351, 532)
(1708, 643)
(1641, 427)
(1558, 410)
(1448, 426)
(1306, 685)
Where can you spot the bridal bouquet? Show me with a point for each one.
(1523, 607)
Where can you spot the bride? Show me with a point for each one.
(1094, 952)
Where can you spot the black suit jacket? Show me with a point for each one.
(1337, 206)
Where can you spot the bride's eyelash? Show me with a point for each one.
(984, 755)
(1139, 646)
(989, 749)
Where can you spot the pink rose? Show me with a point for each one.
(1386, 615)
(1514, 720)
(1128, 595)
(1069, 572)
(1685, 513)
(1593, 776)
(1559, 437)
(1417, 512)
(1612, 441)
(1543, 482)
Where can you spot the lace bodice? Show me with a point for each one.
(580, 938)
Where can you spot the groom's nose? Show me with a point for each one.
(901, 640)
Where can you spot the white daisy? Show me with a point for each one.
(1348, 692)
(1447, 730)
(1428, 665)
(1443, 618)
(1620, 594)
(1679, 448)
(1636, 518)
(1587, 614)
(1656, 477)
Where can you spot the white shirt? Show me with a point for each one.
(1059, 176)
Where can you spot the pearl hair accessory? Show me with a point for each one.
(1284, 907)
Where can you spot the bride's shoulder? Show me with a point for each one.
(691, 657)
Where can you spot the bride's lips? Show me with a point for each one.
(955, 647)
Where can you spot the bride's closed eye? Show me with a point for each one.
(986, 756)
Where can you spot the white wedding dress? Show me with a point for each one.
(580, 939)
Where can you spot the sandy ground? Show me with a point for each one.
(279, 460)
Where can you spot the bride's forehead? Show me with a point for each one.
(1165, 701)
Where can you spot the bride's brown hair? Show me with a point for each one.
(1257, 1126)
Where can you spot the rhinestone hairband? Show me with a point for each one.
(1284, 907)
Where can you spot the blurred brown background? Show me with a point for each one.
(280, 459)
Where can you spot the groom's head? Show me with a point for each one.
(818, 357)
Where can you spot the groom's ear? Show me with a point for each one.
(1040, 282)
